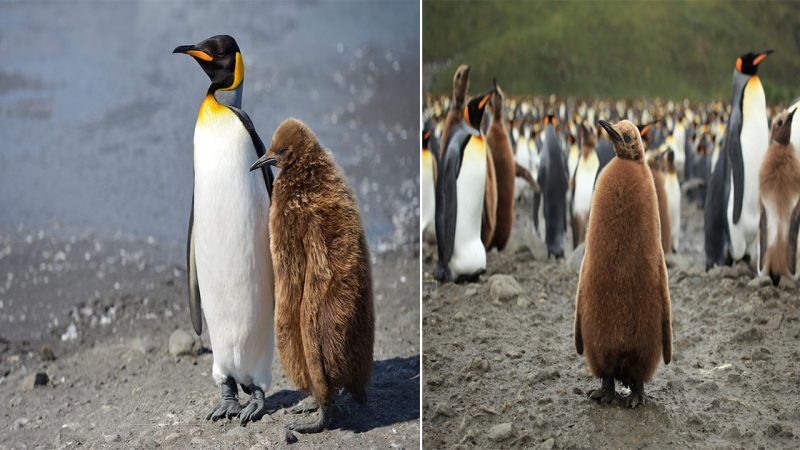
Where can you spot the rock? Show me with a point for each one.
(503, 288)
(547, 445)
(523, 301)
(545, 375)
(478, 365)
(779, 430)
(695, 419)
(471, 292)
(35, 380)
(751, 335)
(759, 282)
(181, 342)
(46, 354)
(291, 438)
(575, 258)
(732, 433)
(444, 410)
(111, 438)
(676, 261)
(501, 432)
(143, 345)
(675, 385)
(708, 386)
(20, 423)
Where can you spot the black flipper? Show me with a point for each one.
(195, 310)
(794, 228)
(269, 178)
(762, 237)
(733, 150)
(447, 201)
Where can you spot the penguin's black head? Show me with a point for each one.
(473, 112)
(427, 132)
(220, 58)
(748, 63)
(626, 139)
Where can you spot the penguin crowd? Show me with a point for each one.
(269, 256)
(616, 173)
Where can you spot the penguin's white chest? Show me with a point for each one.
(584, 184)
(231, 236)
(673, 189)
(428, 191)
(754, 139)
(469, 255)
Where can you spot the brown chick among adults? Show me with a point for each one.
(324, 318)
(623, 318)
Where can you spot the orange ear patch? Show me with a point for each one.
(200, 55)
(739, 64)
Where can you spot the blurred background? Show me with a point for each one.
(668, 49)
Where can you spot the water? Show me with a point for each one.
(97, 115)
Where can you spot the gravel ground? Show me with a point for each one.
(502, 371)
(111, 380)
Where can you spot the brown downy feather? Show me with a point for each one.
(505, 172)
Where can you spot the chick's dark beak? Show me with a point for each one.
(263, 161)
(610, 130)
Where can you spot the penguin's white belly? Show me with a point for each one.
(469, 255)
(679, 144)
(523, 158)
(795, 137)
(584, 185)
(428, 190)
(673, 189)
(234, 265)
(754, 141)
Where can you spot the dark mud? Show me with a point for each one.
(734, 381)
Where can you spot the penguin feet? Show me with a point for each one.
(636, 397)
(228, 405)
(606, 392)
(322, 422)
(306, 405)
(442, 273)
(255, 409)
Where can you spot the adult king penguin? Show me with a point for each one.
(460, 196)
(229, 261)
(746, 141)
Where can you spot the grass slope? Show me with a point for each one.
(670, 49)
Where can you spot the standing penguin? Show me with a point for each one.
(656, 164)
(460, 197)
(715, 226)
(780, 204)
(623, 318)
(324, 319)
(746, 141)
(430, 164)
(673, 192)
(229, 263)
(505, 171)
(583, 181)
(455, 113)
(553, 181)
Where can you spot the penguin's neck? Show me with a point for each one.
(231, 97)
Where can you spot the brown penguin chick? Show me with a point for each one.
(779, 182)
(656, 164)
(623, 321)
(324, 318)
(505, 168)
(456, 112)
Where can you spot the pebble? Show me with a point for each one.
(501, 432)
(708, 386)
(46, 354)
(751, 335)
(444, 410)
(111, 438)
(21, 422)
(143, 345)
(471, 292)
(291, 438)
(759, 282)
(35, 380)
(779, 430)
(503, 288)
(523, 301)
(181, 342)
(547, 445)
(478, 365)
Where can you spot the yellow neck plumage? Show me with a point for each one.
(238, 74)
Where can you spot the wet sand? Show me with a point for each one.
(734, 381)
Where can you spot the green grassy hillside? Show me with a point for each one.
(671, 49)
